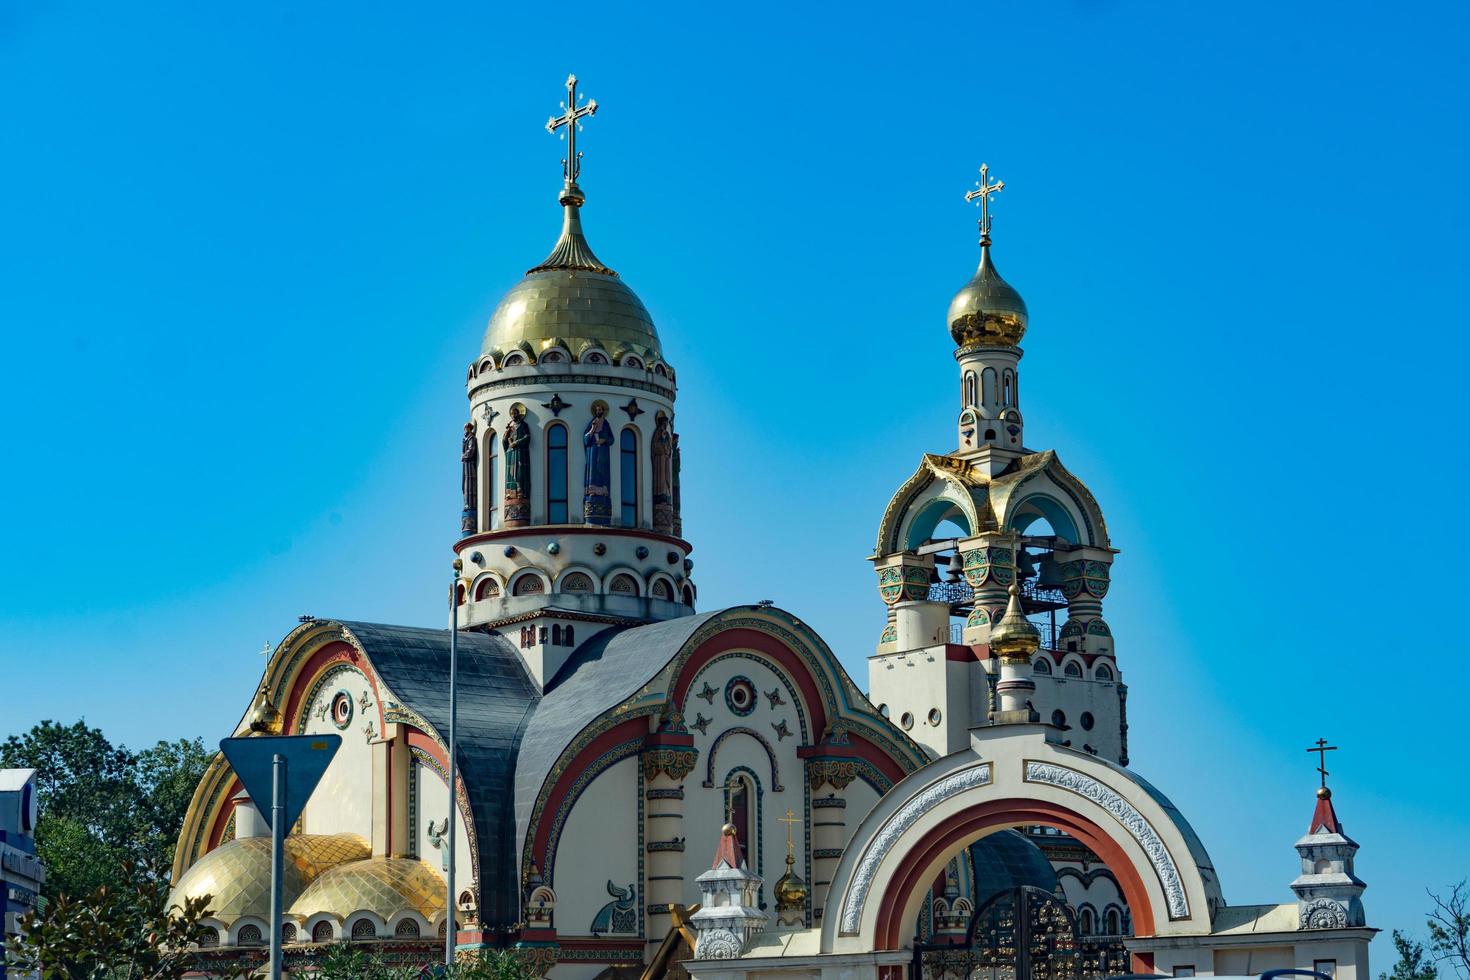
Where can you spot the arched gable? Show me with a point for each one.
(943, 488)
(1007, 779)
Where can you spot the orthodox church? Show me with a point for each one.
(645, 787)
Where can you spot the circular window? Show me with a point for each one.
(1087, 721)
(883, 710)
(907, 721)
(935, 717)
(1059, 719)
(341, 709)
(740, 695)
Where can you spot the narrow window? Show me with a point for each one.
(490, 484)
(628, 478)
(1005, 395)
(568, 636)
(556, 635)
(740, 811)
(987, 386)
(556, 474)
(970, 388)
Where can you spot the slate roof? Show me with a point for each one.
(607, 670)
(496, 700)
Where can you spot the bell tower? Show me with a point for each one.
(984, 549)
(570, 459)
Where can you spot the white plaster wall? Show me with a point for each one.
(1074, 696)
(598, 843)
(704, 807)
(917, 681)
(343, 800)
(433, 804)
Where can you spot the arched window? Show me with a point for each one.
(989, 435)
(1104, 672)
(487, 589)
(624, 585)
(556, 634)
(689, 596)
(742, 809)
(407, 929)
(1059, 718)
(1085, 923)
(576, 582)
(1006, 392)
(971, 386)
(568, 638)
(322, 931)
(556, 474)
(1073, 669)
(987, 386)
(364, 929)
(1115, 923)
(663, 590)
(1042, 667)
(288, 933)
(249, 935)
(208, 938)
(490, 484)
(514, 360)
(528, 584)
(628, 477)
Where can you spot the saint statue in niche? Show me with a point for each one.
(596, 473)
(517, 469)
(662, 451)
(678, 519)
(469, 480)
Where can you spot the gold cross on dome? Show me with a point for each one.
(1322, 748)
(790, 820)
(983, 190)
(571, 118)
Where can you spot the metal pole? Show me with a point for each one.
(278, 852)
(449, 927)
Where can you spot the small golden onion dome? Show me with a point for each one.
(1015, 637)
(1323, 793)
(571, 298)
(264, 718)
(730, 830)
(791, 891)
(381, 885)
(237, 874)
(987, 311)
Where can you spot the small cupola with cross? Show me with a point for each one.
(1328, 894)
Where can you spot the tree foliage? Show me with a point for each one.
(105, 811)
(116, 933)
(1413, 962)
(345, 962)
(1449, 929)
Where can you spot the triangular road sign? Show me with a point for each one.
(307, 758)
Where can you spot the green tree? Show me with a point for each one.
(1413, 962)
(1449, 929)
(105, 811)
(115, 933)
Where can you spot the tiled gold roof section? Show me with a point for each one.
(237, 874)
(382, 885)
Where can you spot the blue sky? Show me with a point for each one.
(248, 252)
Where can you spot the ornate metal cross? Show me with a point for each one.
(790, 820)
(571, 118)
(983, 190)
(1322, 748)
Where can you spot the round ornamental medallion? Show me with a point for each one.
(740, 695)
(341, 709)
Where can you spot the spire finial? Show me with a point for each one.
(983, 190)
(790, 820)
(1322, 748)
(572, 114)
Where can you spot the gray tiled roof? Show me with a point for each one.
(606, 671)
(496, 700)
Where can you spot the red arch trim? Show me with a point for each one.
(741, 638)
(972, 823)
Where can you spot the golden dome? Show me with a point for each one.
(987, 311)
(571, 299)
(1015, 637)
(237, 874)
(381, 885)
(791, 891)
(264, 718)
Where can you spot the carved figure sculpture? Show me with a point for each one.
(517, 470)
(469, 480)
(596, 479)
(662, 451)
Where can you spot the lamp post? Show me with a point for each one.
(449, 925)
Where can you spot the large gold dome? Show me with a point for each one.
(987, 310)
(381, 885)
(237, 874)
(572, 299)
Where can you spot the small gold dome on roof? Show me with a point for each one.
(571, 297)
(791, 891)
(237, 874)
(987, 310)
(264, 718)
(381, 885)
(1015, 637)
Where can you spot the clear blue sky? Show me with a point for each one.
(247, 253)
